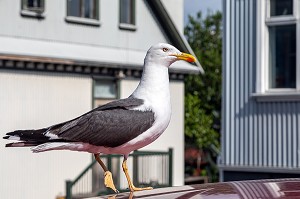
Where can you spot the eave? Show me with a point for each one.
(90, 68)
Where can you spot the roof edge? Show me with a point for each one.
(38, 63)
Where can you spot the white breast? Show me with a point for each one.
(162, 120)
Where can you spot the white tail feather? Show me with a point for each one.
(13, 137)
(49, 146)
(74, 146)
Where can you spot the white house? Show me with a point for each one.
(60, 58)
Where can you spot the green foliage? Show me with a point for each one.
(203, 92)
(198, 124)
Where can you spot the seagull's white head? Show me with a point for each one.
(166, 54)
(154, 85)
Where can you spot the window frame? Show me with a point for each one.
(264, 21)
(29, 12)
(128, 26)
(104, 99)
(83, 20)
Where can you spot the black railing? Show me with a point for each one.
(147, 168)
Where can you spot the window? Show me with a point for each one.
(127, 14)
(104, 91)
(278, 44)
(282, 56)
(281, 7)
(282, 44)
(33, 7)
(83, 11)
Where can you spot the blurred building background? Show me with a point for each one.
(61, 58)
(261, 82)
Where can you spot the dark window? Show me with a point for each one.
(33, 5)
(282, 57)
(83, 8)
(281, 7)
(104, 91)
(127, 12)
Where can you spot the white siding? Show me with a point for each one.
(54, 28)
(35, 100)
(174, 135)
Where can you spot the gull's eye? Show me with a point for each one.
(165, 49)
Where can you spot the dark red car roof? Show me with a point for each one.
(262, 189)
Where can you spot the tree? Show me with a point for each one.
(203, 92)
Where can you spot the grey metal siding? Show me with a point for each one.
(254, 134)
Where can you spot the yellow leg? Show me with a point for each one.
(108, 180)
(130, 184)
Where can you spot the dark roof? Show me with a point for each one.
(271, 189)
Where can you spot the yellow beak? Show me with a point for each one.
(185, 57)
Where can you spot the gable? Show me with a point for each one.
(54, 37)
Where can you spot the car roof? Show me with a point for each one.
(263, 189)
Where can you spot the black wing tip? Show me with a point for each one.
(6, 137)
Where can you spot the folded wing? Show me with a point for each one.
(109, 125)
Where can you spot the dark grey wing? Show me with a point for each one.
(126, 103)
(110, 125)
(109, 128)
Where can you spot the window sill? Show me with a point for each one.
(282, 96)
(281, 20)
(84, 21)
(28, 13)
(126, 26)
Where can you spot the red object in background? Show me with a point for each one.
(193, 158)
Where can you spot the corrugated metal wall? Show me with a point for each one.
(254, 134)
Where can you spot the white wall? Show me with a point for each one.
(174, 135)
(54, 28)
(35, 100)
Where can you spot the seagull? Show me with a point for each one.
(118, 127)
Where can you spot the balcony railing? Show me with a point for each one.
(147, 168)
